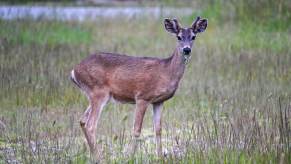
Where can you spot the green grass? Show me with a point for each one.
(45, 33)
(232, 106)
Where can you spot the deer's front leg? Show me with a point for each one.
(140, 110)
(157, 115)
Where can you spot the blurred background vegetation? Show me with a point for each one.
(233, 104)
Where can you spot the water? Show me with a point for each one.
(88, 13)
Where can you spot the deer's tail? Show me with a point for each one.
(73, 78)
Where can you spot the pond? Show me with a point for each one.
(88, 13)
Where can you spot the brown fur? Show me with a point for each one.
(130, 78)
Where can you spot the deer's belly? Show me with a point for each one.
(127, 91)
(163, 94)
(123, 95)
(123, 99)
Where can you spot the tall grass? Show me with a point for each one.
(233, 104)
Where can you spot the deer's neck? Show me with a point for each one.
(176, 65)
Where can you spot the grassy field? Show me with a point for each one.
(232, 106)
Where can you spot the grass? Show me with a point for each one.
(232, 106)
(45, 33)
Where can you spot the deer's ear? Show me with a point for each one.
(172, 26)
(199, 25)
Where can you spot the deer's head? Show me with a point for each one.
(185, 36)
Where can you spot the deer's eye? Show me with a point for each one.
(193, 37)
(179, 37)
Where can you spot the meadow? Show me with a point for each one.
(232, 106)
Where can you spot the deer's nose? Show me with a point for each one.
(186, 50)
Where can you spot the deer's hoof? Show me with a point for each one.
(165, 153)
(82, 123)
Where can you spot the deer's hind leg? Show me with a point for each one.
(84, 117)
(98, 99)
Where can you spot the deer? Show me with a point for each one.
(142, 81)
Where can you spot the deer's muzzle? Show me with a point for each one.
(186, 51)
